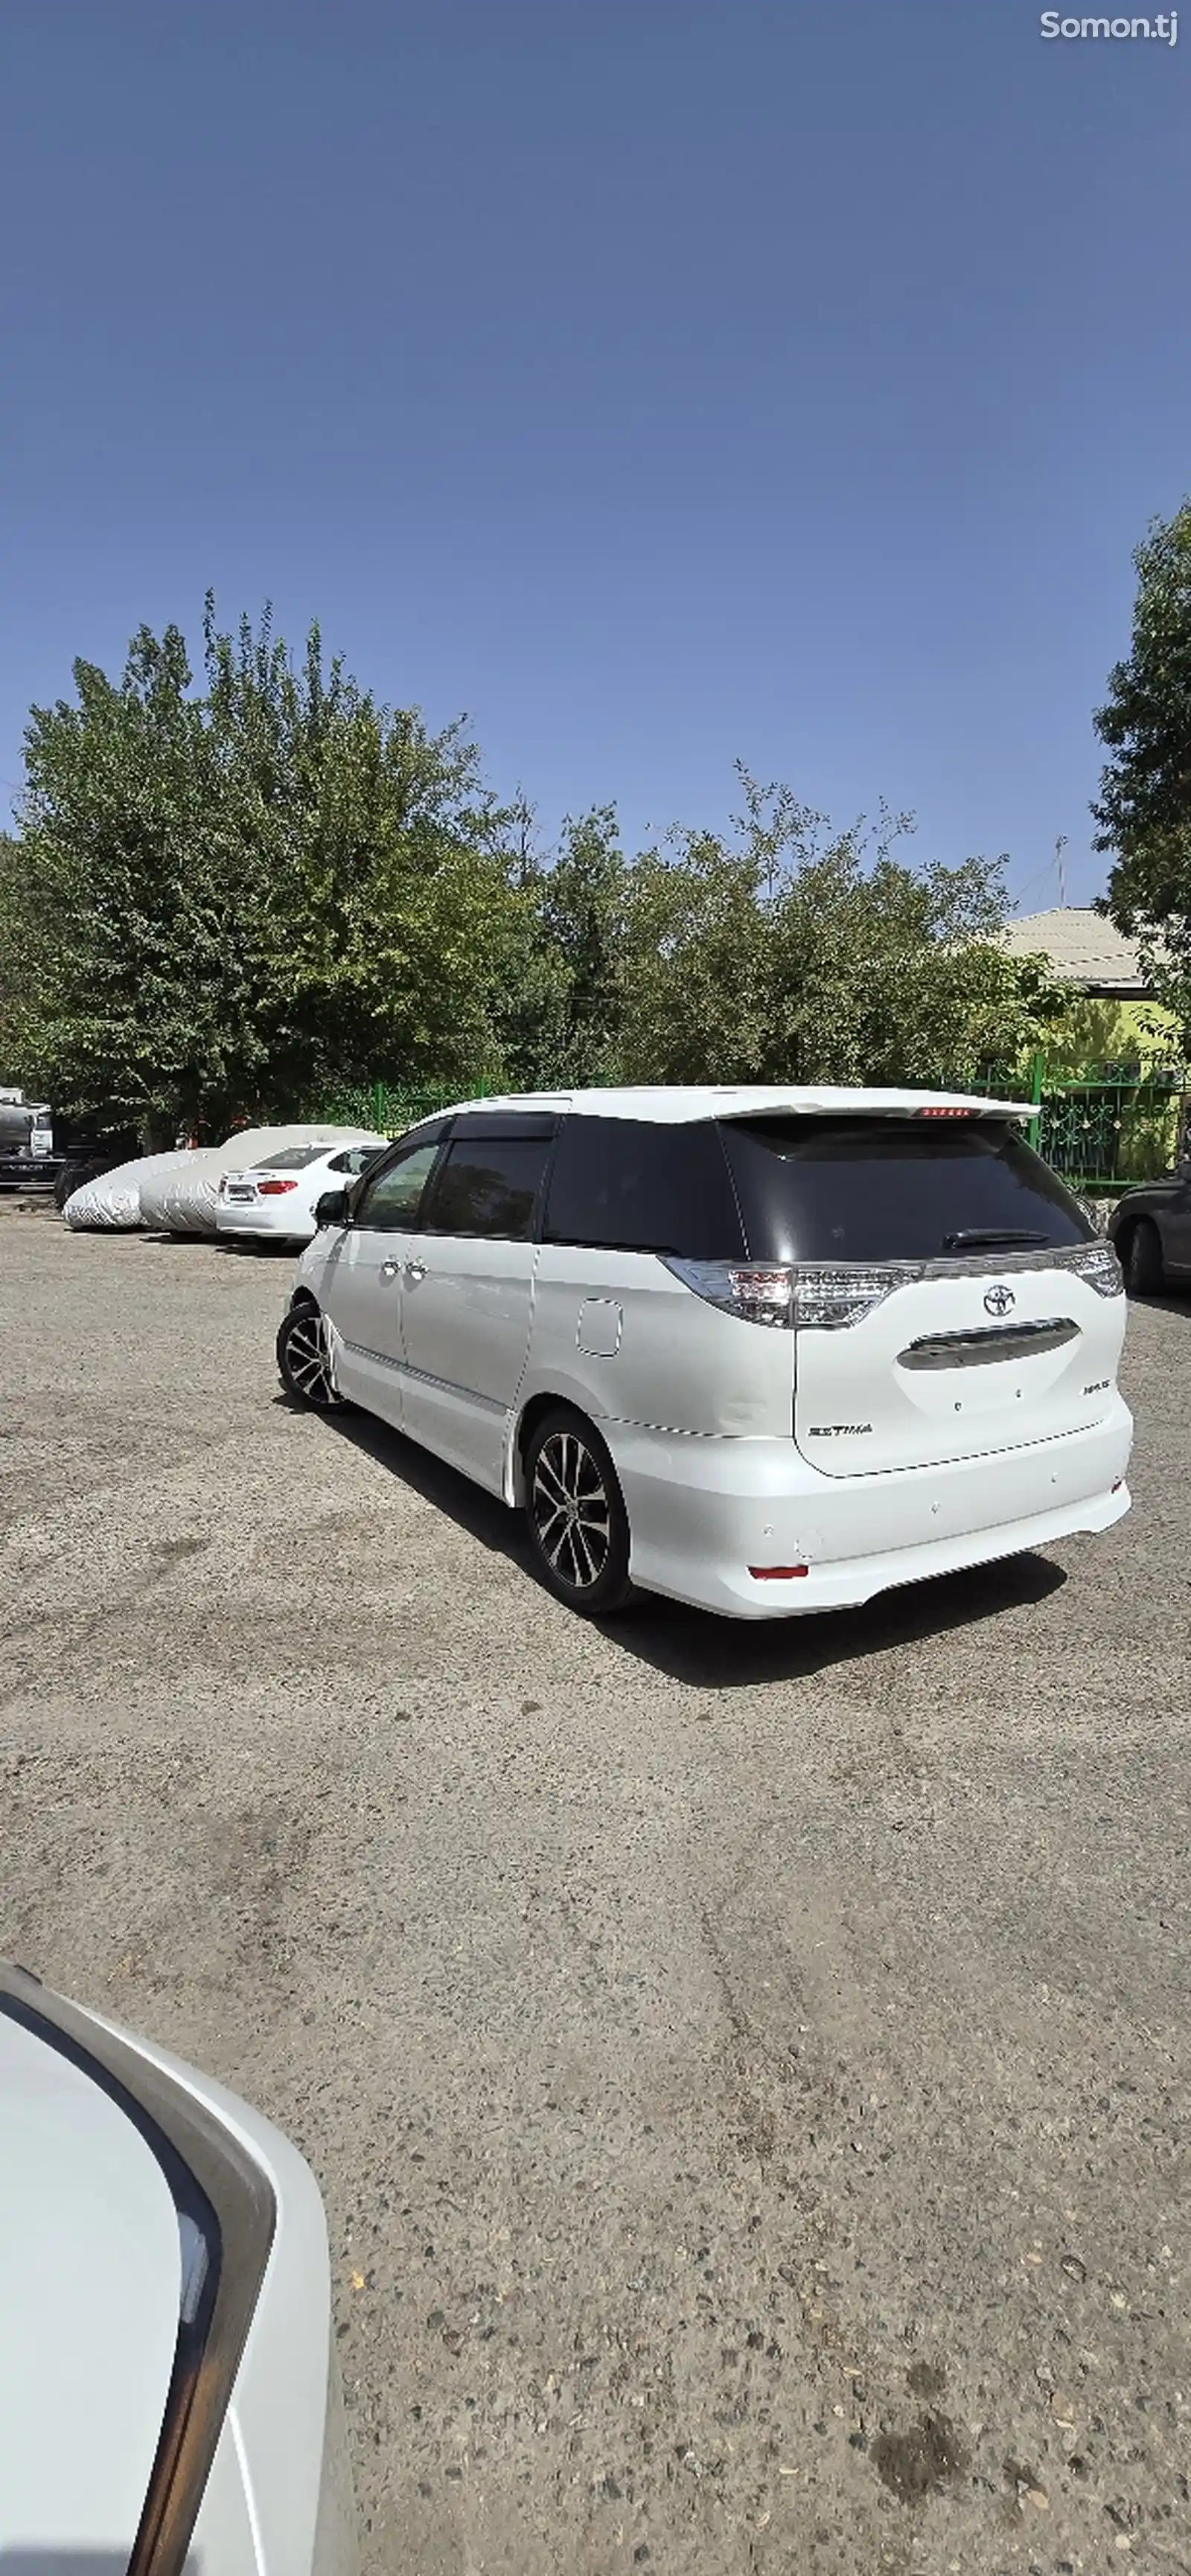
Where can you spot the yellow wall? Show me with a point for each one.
(1093, 1033)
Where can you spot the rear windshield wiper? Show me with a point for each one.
(1006, 1235)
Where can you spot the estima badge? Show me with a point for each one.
(999, 1301)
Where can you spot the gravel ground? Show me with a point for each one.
(747, 2069)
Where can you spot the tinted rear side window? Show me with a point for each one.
(890, 1189)
(488, 1185)
(634, 1185)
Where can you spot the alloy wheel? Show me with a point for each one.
(307, 1359)
(571, 1509)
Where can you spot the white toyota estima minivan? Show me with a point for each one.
(764, 1350)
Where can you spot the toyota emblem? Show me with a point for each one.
(999, 1301)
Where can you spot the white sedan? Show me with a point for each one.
(274, 1202)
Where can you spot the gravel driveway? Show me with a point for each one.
(747, 2069)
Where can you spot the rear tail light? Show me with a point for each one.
(758, 1292)
(947, 1113)
(1098, 1264)
(831, 1295)
(274, 1189)
(805, 1293)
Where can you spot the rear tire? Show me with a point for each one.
(303, 1358)
(578, 1525)
(1145, 1274)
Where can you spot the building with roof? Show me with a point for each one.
(1113, 1023)
(1084, 949)
(1112, 1081)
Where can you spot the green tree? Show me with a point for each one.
(560, 1021)
(122, 946)
(1144, 807)
(16, 962)
(530, 1009)
(793, 954)
(582, 903)
(226, 899)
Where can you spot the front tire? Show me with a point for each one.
(304, 1360)
(578, 1525)
(1145, 1274)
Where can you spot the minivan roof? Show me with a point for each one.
(673, 1103)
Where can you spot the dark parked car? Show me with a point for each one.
(1152, 1232)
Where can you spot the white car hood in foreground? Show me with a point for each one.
(90, 2275)
(91, 2281)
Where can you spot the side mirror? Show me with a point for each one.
(331, 1209)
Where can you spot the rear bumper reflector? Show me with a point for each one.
(777, 1573)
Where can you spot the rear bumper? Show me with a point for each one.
(702, 1511)
(246, 1219)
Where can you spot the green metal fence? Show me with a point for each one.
(1112, 1124)
(388, 1109)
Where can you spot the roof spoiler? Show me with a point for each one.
(810, 1107)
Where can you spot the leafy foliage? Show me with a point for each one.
(243, 897)
(793, 955)
(230, 898)
(563, 1015)
(1144, 809)
(18, 1036)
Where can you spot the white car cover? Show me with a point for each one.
(114, 1200)
(184, 1199)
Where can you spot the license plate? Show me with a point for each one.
(241, 1194)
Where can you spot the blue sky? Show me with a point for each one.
(660, 382)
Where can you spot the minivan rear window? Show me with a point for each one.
(892, 1189)
(643, 1185)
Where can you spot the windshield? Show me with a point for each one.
(892, 1189)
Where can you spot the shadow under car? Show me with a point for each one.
(696, 1646)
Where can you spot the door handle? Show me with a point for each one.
(414, 1271)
